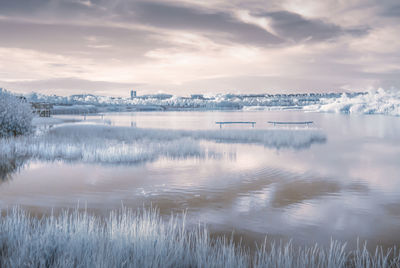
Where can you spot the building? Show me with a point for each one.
(133, 94)
(197, 96)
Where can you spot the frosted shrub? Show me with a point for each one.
(15, 116)
(8, 166)
(380, 101)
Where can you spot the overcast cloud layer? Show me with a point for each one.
(110, 47)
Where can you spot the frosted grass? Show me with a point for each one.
(106, 144)
(97, 150)
(273, 137)
(129, 238)
(97, 145)
(276, 138)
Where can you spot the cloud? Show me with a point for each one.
(18, 7)
(56, 9)
(392, 10)
(212, 23)
(70, 85)
(183, 45)
(295, 27)
(87, 41)
(218, 24)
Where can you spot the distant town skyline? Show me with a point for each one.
(185, 47)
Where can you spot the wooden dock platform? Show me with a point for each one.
(291, 122)
(235, 122)
(42, 109)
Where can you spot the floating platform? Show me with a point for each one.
(291, 122)
(42, 109)
(235, 122)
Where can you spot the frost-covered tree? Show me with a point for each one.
(15, 115)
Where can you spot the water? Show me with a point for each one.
(345, 188)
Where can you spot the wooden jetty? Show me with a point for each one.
(291, 122)
(235, 122)
(42, 109)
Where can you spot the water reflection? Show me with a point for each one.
(9, 166)
(345, 187)
(226, 194)
(293, 192)
(392, 209)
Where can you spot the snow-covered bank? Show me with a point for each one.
(143, 239)
(88, 103)
(374, 102)
(212, 102)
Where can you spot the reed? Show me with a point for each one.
(141, 238)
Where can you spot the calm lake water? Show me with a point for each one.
(345, 188)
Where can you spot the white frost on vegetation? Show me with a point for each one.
(97, 150)
(374, 102)
(106, 144)
(15, 115)
(90, 103)
(272, 137)
(277, 138)
(142, 238)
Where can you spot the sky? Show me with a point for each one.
(184, 47)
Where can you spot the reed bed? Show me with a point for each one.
(124, 145)
(141, 238)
